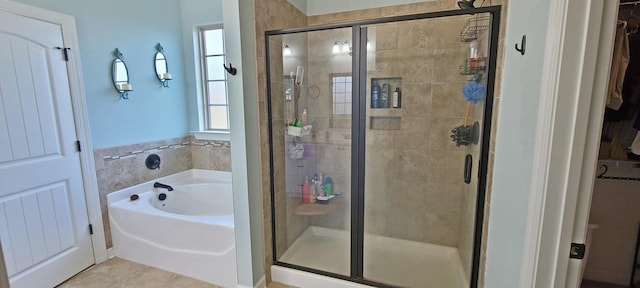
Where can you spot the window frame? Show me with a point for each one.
(204, 81)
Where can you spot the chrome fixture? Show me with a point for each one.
(160, 185)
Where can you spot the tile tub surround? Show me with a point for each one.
(124, 166)
(271, 15)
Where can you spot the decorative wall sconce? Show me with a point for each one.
(286, 51)
(161, 66)
(120, 75)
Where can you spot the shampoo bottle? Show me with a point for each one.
(303, 117)
(396, 98)
(306, 190)
(384, 96)
(313, 193)
(375, 91)
(320, 183)
(328, 183)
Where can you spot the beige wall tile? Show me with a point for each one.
(428, 63)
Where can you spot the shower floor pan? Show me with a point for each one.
(394, 261)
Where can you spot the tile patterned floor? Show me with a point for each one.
(119, 273)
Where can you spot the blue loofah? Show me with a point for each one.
(473, 91)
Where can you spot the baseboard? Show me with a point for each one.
(110, 253)
(262, 283)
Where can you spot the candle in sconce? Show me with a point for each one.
(166, 76)
(119, 86)
(126, 87)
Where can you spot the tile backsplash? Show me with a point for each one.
(124, 166)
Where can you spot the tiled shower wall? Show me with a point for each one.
(124, 166)
(272, 15)
(279, 14)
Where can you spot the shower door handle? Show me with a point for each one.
(468, 166)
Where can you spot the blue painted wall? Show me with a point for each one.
(152, 113)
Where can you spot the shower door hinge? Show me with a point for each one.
(90, 229)
(577, 251)
(78, 148)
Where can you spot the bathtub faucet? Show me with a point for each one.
(160, 185)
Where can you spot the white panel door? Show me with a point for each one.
(44, 226)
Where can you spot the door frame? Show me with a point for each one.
(80, 115)
(578, 51)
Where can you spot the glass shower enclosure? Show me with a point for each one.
(379, 136)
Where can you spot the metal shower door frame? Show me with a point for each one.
(358, 126)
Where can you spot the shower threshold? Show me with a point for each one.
(394, 261)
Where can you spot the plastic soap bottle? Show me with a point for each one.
(313, 195)
(304, 118)
(328, 183)
(320, 184)
(306, 190)
(384, 96)
(313, 191)
(375, 91)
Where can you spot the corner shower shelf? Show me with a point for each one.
(473, 66)
(474, 27)
(317, 209)
(299, 131)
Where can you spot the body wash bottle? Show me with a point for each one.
(375, 93)
(384, 96)
(304, 118)
(320, 183)
(328, 189)
(397, 98)
(313, 193)
(306, 190)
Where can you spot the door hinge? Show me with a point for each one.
(65, 52)
(577, 251)
(78, 148)
(90, 229)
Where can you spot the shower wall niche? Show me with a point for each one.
(397, 211)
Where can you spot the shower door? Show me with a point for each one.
(311, 96)
(379, 142)
(419, 213)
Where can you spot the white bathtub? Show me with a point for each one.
(189, 233)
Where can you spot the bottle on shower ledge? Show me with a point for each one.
(304, 118)
(313, 193)
(306, 190)
(384, 96)
(328, 186)
(397, 98)
(375, 91)
(320, 183)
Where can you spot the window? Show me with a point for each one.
(216, 101)
(341, 94)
